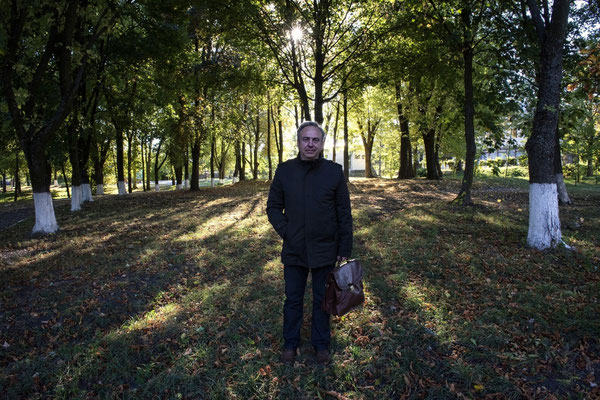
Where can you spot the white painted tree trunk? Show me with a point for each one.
(563, 196)
(157, 187)
(86, 192)
(234, 180)
(76, 199)
(99, 189)
(121, 186)
(187, 184)
(45, 220)
(56, 182)
(212, 181)
(179, 186)
(544, 224)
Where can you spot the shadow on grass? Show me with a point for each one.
(464, 279)
(178, 294)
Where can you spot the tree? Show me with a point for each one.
(406, 169)
(43, 68)
(464, 25)
(316, 45)
(372, 110)
(544, 223)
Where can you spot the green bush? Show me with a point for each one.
(523, 160)
(574, 171)
(518, 172)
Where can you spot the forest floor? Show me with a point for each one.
(179, 295)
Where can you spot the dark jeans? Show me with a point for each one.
(295, 284)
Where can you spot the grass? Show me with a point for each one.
(60, 192)
(179, 295)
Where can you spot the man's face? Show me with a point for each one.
(310, 143)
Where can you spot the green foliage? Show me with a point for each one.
(574, 171)
(519, 172)
(523, 160)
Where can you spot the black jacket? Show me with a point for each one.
(309, 207)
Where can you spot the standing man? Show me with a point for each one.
(309, 207)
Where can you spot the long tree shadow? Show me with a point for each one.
(183, 300)
(103, 282)
(486, 310)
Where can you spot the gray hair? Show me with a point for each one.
(310, 123)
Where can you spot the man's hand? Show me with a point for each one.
(341, 259)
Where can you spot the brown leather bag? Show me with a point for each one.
(344, 288)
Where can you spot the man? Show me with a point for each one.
(309, 207)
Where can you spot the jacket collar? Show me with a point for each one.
(311, 163)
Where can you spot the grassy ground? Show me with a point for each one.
(60, 192)
(179, 295)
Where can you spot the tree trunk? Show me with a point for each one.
(99, 156)
(157, 166)
(212, 159)
(296, 116)
(179, 177)
(143, 165)
(589, 171)
(430, 159)
(86, 189)
(335, 130)
(346, 156)
(236, 168)
(544, 223)
(3, 181)
(129, 162)
(120, 166)
(561, 188)
(243, 162)
(195, 179)
(416, 163)
(464, 196)
(368, 166)
(436, 156)
(66, 181)
(406, 169)
(222, 161)
(270, 162)
(17, 178)
(278, 134)
(76, 199)
(148, 162)
(256, 143)
(99, 176)
(186, 171)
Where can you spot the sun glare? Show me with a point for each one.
(297, 34)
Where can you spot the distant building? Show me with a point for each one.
(357, 160)
(513, 147)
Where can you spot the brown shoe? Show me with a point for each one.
(323, 356)
(288, 356)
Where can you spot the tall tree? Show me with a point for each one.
(316, 45)
(551, 27)
(405, 170)
(42, 70)
(464, 25)
(371, 108)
